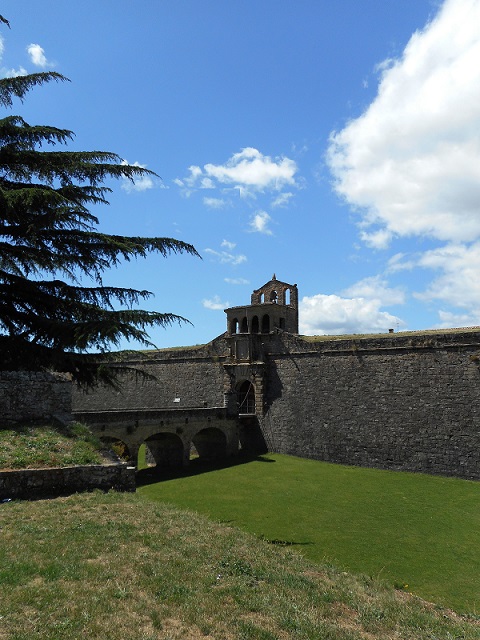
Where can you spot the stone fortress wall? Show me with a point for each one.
(401, 401)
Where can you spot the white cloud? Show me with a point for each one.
(376, 288)
(226, 257)
(236, 281)
(142, 183)
(37, 56)
(282, 200)
(458, 283)
(250, 168)
(248, 172)
(333, 315)
(228, 245)
(14, 73)
(400, 262)
(449, 319)
(259, 223)
(410, 163)
(2, 46)
(207, 183)
(215, 304)
(214, 203)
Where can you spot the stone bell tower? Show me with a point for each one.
(250, 328)
(273, 306)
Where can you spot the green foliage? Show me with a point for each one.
(49, 241)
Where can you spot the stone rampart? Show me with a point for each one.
(34, 396)
(404, 403)
(36, 483)
(179, 379)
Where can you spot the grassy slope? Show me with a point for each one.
(37, 446)
(411, 529)
(117, 566)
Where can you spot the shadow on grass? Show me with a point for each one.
(152, 475)
(283, 543)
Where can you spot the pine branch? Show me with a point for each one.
(47, 229)
(19, 86)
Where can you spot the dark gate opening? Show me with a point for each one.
(246, 398)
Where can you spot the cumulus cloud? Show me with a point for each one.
(251, 168)
(334, 315)
(409, 164)
(37, 56)
(458, 282)
(376, 288)
(259, 223)
(248, 172)
(142, 183)
(215, 304)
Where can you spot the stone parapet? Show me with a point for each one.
(29, 484)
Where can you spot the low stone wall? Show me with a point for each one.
(36, 483)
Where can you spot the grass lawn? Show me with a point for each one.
(121, 567)
(419, 532)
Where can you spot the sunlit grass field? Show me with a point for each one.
(420, 533)
(123, 567)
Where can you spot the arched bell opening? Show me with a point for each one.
(255, 325)
(266, 323)
(234, 326)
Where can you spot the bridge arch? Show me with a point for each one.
(166, 449)
(210, 443)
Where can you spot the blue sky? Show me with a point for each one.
(334, 143)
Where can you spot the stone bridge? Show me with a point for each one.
(170, 435)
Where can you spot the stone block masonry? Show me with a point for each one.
(400, 403)
(33, 396)
(28, 484)
(178, 379)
